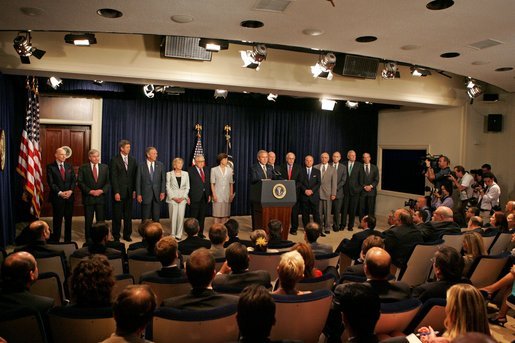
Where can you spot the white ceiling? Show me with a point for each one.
(396, 23)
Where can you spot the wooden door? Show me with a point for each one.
(78, 138)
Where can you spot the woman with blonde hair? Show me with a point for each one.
(290, 271)
(473, 247)
(177, 189)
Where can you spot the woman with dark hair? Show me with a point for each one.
(222, 188)
(498, 222)
(309, 260)
(92, 282)
(443, 197)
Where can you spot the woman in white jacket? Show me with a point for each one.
(177, 189)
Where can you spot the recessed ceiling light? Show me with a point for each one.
(504, 69)
(450, 54)
(252, 24)
(31, 11)
(410, 47)
(80, 39)
(182, 18)
(366, 39)
(109, 13)
(439, 4)
(480, 63)
(313, 32)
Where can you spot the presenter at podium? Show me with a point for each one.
(261, 170)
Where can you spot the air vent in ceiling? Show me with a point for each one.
(356, 66)
(272, 5)
(487, 43)
(185, 48)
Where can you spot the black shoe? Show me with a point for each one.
(498, 321)
(350, 229)
(322, 234)
(201, 235)
(292, 232)
(128, 239)
(116, 239)
(336, 229)
(327, 232)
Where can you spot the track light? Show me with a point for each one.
(352, 104)
(213, 45)
(324, 66)
(327, 104)
(390, 70)
(98, 82)
(473, 89)
(417, 71)
(271, 97)
(253, 58)
(221, 93)
(54, 82)
(23, 46)
(148, 90)
(80, 39)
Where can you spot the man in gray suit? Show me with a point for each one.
(327, 190)
(150, 185)
(341, 178)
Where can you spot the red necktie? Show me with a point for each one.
(95, 173)
(202, 176)
(289, 172)
(61, 169)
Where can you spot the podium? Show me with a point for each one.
(272, 199)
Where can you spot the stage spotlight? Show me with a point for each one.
(148, 90)
(327, 104)
(98, 82)
(213, 45)
(253, 58)
(390, 70)
(324, 66)
(272, 97)
(417, 71)
(221, 93)
(54, 82)
(352, 104)
(473, 89)
(23, 46)
(80, 39)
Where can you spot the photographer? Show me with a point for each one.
(442, 197)
(441, 176)
(463, 182)
(489, 197)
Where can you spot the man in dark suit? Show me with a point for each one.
(153, 232)
(441, 224)
(200, 270)
(123, 169)
(368, 180)
(150, 185)
(272, 163)
(352, 247)
(99, 234)
(232, 232)
(61, 180)
(351, 190)
(200, 191)
(168, 254)
(235, 275)
(94, 184)
(261, 170)
(341, 178)
(309, 190)
(193, 241)
(291, 171)
(311, 234)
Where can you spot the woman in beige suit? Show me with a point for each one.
(177, 189)
(222, 189)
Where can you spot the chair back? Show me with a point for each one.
(23, 325)
(432, 313)
(217, 325)
(265, 261)
(68, 248)
(488, 240)
(324, 261)
(81, 324)
(325, 281)
(138, 267)
(419, 264)
(396, 316)
(120, 282)
(500, 244)
(49, 285)
(344, 262)
(486, 269)
(301, 317)
(168, 290)
(51, 264)
(455, 241)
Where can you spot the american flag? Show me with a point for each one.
(198, 150)
(29, 160)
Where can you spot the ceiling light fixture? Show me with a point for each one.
(324, 66)
(253, 58)
(352, 104)
(213, 45)
(54, 82)
(148, 90)
(328, 105)
(473, 89)
(221, 93)
(419, 72)
(390, 70)
(272, 97)
(98, 82)
(23, 46)
(80, 39)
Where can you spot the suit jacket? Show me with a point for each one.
(142, 254)
(328, 182)
(257, 174)
(238, 281)
(352, 247)
(38, 249)
(390, 291)
(341, 178)
(352, 185)
(190, 244)
(198, 189)
(237, 240)
(147, 188)
(87, 183)
(399, 242)
(371, 179)
(321, 248)
(13, 299)
(56, 182)
(433, 231)
(312, 183)
(295, 175)
(200, 299)
(164, 275)
(172, 187)
(110, 253)
(435, 289)
(123, 181)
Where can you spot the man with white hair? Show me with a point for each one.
(441, 224)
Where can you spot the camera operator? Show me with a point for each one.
(442, 197)
(489, 197)
(463, 182)
(441, 176)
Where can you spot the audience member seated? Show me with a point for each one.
(192, 241)
(167, 254)
(309, 260)
(448, 268)
(352, 247)
(200, 270)
(275, 228)
(311, 234)
(259, 240)
(141, 231)
(420, 217)
(235, 274)
(510, 218)
(369, 243)
(498, 223)
(233, 229)
(475, 224)
(473, 247)
(441, 224)
(510, 207)
(99, 234)
(471, 212)
(402, 237)
(377, 269)
(92, 282)
(423, 205)
(465, 312)
(504, 286)
(290, 271)
(19, 272)
(474, 337)
(133, 310)
(217, 236)
(152, 233)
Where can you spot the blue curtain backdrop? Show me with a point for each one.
(296, 125)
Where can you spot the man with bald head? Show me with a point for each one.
(510, 207)
(291, 171)
(401, 237)
(61, 180)
(19, 272)
(441, 224)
